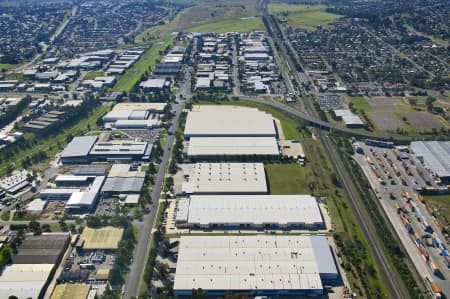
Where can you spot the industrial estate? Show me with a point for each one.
(231, 149)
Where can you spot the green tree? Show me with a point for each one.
(46, 228)
(429, 103)
(94, 222)
(115, 276)
(35, 227)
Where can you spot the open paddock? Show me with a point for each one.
(383, 103)
(386, 121)
(423, 121)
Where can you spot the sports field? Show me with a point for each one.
(303, 16)
(102, 238)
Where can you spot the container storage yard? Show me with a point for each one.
(401, 183)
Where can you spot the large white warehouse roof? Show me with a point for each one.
(232, 146)
(230, 121)
(261, 263)
(24, 280)
(435, 155)
(221, 178)
(253, 210)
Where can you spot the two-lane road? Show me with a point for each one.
(137, 267)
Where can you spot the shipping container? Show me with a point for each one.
(421, 198)
(436, 288)
(407, 196)
(447, 261)
(425, 225)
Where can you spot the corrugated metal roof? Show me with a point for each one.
(79, 146)
(232, 146)
(120, 184)
(246, 263)
(207, 210)
(232, 178)
(435, 154)
(231, 121)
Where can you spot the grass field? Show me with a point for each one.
(207, 12)
(405, 111)
(303, 16)
(230, 25)
(5, 67)
(288, 178)
(441, 206)
(93, 75)
(50, 144)
(127, 81)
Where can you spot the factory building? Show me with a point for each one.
(134, 116)
(228, 121)
(81, 192)
(225, 178)
(259, 265)
(249, 212)
(435, 155)
(34, 266)
(15, 183)
(124, 179)
(120, 151)
(350, 119)
(78, 149)
(85, 201)
(86, 149)
(232, 148)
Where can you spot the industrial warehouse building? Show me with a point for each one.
(33, 266)
(225, 178)
(85, 149)
(78, 149)
(81, 192)
(232, 148)
(249, 211)
(120, 150)
(25, 280)
(435, 155)
(124, 179)
(261, 264)
(134, 116)
(350, 119)
(228, 121)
